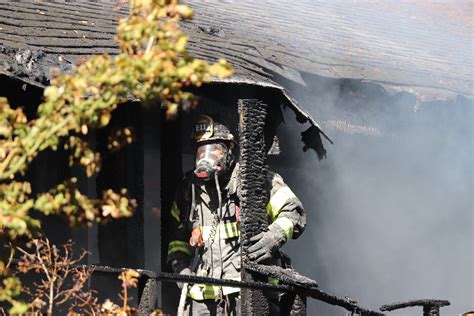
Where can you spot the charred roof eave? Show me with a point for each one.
(301, 115)
(34, 71)
(311, 137)
(24, 80)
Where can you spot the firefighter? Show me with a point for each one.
(205, 238)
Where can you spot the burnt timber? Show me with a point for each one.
(313, 292)
(430, 307)
(252, 175)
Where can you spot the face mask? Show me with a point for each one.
(210, 159)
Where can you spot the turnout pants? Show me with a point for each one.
(229, 305)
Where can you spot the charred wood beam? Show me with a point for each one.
(174, 278)
(252, 114)
(336, 301)
(149, 291)
(294, 303)
(431, 307)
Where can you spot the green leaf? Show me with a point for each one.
(221, 69)
(18, 308)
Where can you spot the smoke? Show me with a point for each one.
(390, 209)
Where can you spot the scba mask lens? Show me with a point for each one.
(210, 159)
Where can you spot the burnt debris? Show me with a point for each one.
(32, 65)
(212, 30)
(431, 307)
(286, 276)
(312, 140)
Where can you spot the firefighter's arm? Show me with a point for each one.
(179, 250)
(285, 211)
(287, 220)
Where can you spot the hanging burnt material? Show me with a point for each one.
(430, 307)
(252, 115)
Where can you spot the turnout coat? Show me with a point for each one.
(196, 207)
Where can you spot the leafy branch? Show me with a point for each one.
(153, 66)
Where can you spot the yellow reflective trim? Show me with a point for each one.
(195, 292)
(175, 212)
(269, 210)
(287, 225)
(178, 245)
(226, 290)
(203, 292)
(277, 201)
(182, 249)
(229, 230)
(273, 281)
(209, 292)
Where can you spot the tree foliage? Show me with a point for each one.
(153, 66)
(61, 282)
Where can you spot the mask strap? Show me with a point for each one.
(193, 214)
(219, 195)
(193, 199)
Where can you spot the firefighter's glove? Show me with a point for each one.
(180, 267)
(264, 246)
(185, 271)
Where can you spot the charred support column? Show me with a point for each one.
(252, 115)
(293, 304)
(148, 297)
